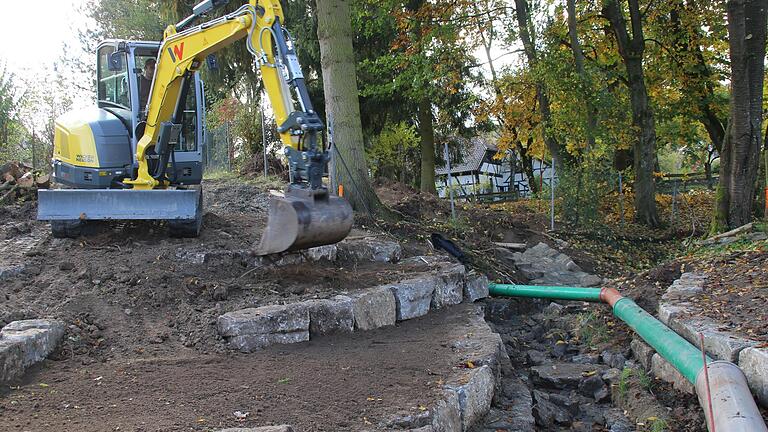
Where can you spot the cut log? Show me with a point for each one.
(43, 181)
(27, 180)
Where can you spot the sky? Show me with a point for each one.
(33, 37)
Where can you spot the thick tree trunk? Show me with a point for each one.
(739, 163)
(631, 51)
(578, 58)
(427, 134)
(527, 36)
(334, 31)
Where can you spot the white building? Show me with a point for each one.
(480, 173)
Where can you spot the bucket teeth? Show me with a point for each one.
(304, 219)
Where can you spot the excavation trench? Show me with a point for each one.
(721, 386)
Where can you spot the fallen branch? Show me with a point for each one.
(515, 246)
(731, 233)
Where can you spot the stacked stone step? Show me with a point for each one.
(384, 305)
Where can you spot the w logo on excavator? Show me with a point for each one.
(177, 52)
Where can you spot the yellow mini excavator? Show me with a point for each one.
(121, 160)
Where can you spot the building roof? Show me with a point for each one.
(473, 159)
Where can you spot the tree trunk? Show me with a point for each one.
(427, 134)
(578, 58)
(334, 32)
(631, 51)
(529, 46)
(526, 161)
(740, 160)
(722, 197)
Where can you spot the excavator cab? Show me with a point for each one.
(94, 152)
(128, 160)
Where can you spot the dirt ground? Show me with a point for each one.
(736, 292)
(350, 382)
(142, 353)
(127, 289)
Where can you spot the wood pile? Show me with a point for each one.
(20, 181)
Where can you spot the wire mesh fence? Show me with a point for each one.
(218, 150)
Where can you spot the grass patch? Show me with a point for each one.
(591, 329)
(623, 386)
(646, 382)
(659, 425)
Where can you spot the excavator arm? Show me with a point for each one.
(183, 51)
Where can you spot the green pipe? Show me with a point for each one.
(685, 357)
(550, 292)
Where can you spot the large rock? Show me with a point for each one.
(475, 396)
(254, 328)
(449, 287)
(334, 315)
(476, 287)
(24, 343)
(664, 370)
(668, 312)
(689, 284)
(564, 375)
(521, 405)
(446, 414)
(642, 352)
(374, 308)
(754, 363)
(720, 344)
(541, 250)
(370, 249)
(413, 296)
(547, 413)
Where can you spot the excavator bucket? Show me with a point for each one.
(301, 219)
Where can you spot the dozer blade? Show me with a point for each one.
(303, 219)
(103, 204)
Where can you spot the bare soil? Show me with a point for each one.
(736, 293)
(127, 289)
(329, 384)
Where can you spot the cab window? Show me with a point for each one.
(113, 85)
(189, 120)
